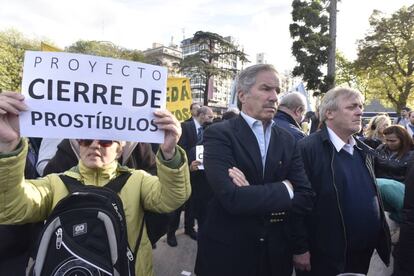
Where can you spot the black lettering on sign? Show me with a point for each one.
(178, 115)
(135, 95)
(200, 156)
(186, 113)
(174, 94)
(31, 92)
(184, 93)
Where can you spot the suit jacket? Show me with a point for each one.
(241, 221)
(188, 137)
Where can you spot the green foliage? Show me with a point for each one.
(105, 49)
(203, 64)
(12, 48)
(310, 31)
(386, 56)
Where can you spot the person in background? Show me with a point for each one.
(374, 135)
(230, 113)
(404, 250)
(410, 125)
(47, 150)
(394, 159)
(290, 114)
(403, 118)
(307, 122)
(347, 221)
(25, 201)
(192, 133)
(193, 109)
(314, 121)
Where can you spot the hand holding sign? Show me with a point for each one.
(11, 104)
(194, 165)
(167, 122)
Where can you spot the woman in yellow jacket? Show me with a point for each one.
(24, 201)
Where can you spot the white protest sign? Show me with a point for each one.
(199, 156)
(81, 96)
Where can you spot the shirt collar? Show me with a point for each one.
(197, 124)
(252, 121)
(339, 144)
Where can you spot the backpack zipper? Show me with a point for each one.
(130, 255)
(59, 236)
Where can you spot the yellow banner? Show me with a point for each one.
(48, 48)
(179, 97)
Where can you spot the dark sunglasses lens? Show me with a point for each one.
(105, 143)
(85, 142)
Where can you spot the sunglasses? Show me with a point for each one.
(102, 143)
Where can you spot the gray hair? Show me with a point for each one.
(203, 110)
(247, 77)
(330, 101)
(293, 100)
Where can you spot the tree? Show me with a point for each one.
(386, 56)
(310, 32)
(12, 48)
(203, 65)
(105, 49)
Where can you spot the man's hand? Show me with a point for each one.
(167, 122)
(302, 261)
(194, 165)
(238, 177)
(11, 104)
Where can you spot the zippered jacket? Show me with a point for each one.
(25, 201)
(325, 234)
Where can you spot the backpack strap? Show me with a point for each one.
(118, 182)
(73, 185)
(138, 242)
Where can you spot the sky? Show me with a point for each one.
(257, 25)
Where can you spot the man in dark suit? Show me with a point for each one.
(258, 180)
(193, 109)
(191, 133)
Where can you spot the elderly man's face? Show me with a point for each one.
(97, 156)
(262, 100)
(208, 117)
(346, 120)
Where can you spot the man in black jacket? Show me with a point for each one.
(256, 174)
(347, 221)
(290, 114)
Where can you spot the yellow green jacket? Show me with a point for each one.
(24, 201)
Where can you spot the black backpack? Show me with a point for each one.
(86, 233)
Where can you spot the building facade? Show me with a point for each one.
(168, 56)
(219, 88)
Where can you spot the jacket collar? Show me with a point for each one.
(325, 138)
(97, 177)
(282, 115)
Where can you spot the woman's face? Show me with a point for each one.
(97, 154)
(392, 142)
(382, 125)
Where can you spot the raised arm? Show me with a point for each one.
(11, 104)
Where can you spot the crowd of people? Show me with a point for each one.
(279, 188)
